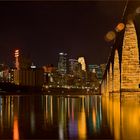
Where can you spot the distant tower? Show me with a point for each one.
(81, 60)
(74, 66)
(17, 59)
(62, 63)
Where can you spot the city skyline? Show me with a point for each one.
(70, 70)
(44, 29)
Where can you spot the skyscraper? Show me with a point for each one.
(82, 61)
(62, 63)
(74, 67)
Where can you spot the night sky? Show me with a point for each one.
(43, 29)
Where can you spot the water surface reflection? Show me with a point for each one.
(123, 115)
(76, 117)
(52, 117)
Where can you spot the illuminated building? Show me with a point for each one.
(33, 66)
(17, 59)
(92, 80)
(25, 73)
(49, 68)
(49, 71)
(93, 68)
(28, 77)
(96, 69)
(4, 73)
(62, 63)
(74, 67)
(82, 61)
(22, 61)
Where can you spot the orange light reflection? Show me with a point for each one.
(15, 129)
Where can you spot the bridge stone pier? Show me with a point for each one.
(130, 79)
(123, 68)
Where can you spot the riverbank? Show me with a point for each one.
(12, 89)
(71, 91)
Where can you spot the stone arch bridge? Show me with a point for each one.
(122, 72)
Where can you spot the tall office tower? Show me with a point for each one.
(74, 67)
(62, 63)
(82, 61)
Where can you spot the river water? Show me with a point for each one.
(69, 117)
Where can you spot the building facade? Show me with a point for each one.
(81, 60)
(96, 69)
(74, 67)
(62, 63)
(28, 77)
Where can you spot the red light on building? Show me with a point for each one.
(17, 59)
(16, 53)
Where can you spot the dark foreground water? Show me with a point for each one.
(79, 117)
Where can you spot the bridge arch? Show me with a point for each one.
(130, 77)
(107, 83)
(102, 87)
(116, 73)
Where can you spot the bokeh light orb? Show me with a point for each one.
(110, 36)
(120, 27)
(138, 10)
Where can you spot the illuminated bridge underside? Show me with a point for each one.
(116, 75)
(107, 86)
(110, 79)
(124, 73)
